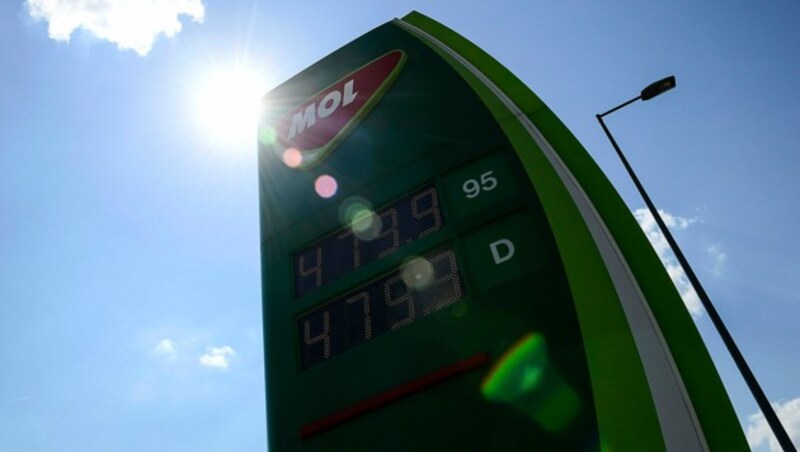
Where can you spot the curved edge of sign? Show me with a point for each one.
(720, 427)
(608, 341)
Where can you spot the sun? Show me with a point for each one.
(227, 106)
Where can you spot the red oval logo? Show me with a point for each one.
(313, 129)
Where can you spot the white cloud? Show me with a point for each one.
(217, 357)
(131, 24)
(718, 256)
(759, 433)
(676, 273)
(164, 347)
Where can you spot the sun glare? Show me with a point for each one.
(227, 106)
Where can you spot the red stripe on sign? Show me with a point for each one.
(385, 398)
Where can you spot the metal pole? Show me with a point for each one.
(727, 339)
(624, 104)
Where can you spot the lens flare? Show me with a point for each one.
(266, 135)
(525, 379)
(350, 207)
(366, 225)
(292, 157)
(356, 213)
(417, 273)
(326, 186)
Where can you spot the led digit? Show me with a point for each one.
(432, 211)
(355, 248)
(397, 294)
(388, 231)
(365, 318)
(448, 282)
(324, 336)
(315, 270)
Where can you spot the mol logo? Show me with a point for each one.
(327, 106)
(319, 124)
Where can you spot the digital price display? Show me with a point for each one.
(420, 287)
(384, 232)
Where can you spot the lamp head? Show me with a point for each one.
(654, 89)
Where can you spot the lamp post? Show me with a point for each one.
(651, 91)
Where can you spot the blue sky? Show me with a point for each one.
(129, 242)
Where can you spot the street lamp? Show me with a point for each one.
(649, 92)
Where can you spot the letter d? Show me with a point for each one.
(496, 250)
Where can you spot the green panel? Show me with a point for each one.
(479, 185)
(719, 423)
(409, 140)
(502, 251)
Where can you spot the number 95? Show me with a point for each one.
(472, 187)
